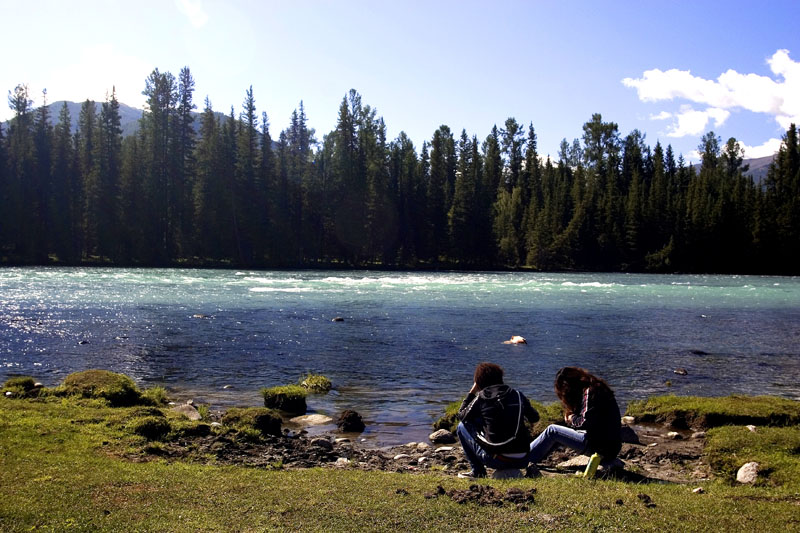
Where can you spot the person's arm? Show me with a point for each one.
(584, 419)
(466, 406)
(531, 414)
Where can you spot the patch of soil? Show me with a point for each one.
(656, 458)
(487, 495)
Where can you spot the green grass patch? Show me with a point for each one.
(701, 412)
(60, 472)
(316, 383)
(21, 387)
(775, 449)
(155, 396)
(118, 389)
(262, 420)
(288, 398)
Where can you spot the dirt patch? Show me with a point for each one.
(655, 458)
(487, 495)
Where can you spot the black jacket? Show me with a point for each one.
(498, 413)
(599, 417)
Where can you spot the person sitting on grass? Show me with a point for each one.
(492, 430)
(592, 413)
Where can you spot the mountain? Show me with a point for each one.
(759, 167)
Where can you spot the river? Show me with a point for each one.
(408, 341)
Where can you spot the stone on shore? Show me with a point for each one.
(748, 473)
(323, 443)
(628, 435)
(311, 420)
(442, 436)
(350, 422)
(189, 411)
(628, 420)
(576, 463)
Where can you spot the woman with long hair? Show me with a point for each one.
(590, 410)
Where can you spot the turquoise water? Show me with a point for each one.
(409, 341)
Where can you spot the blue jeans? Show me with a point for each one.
(553, 435)
(479, 458)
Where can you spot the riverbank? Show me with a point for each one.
(77, 464)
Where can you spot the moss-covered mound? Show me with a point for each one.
(264, 420)
(316, 383)
(683, 412)
(118, 389)
(150, 427)
(288, 398)
(21, 386)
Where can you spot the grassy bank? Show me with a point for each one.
(63, 468)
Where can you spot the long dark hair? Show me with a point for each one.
(570, 383)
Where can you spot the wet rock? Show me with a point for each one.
(699, 435)
(674, 435)
(699, 352)
(188, 411)
(311, 420)
(748, 473)
(199, 315)
(680, 371)
(629, 435)
(342, 440)
(350, 422)
(322, 443)
(337, 319)
(442, 436)
(227, 387)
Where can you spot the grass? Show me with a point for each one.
(701, 412)
(775, 449)
(316, 383)
(288, 398)
(60, 470)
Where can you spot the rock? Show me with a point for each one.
(628, 420)
(698, 490)
(516, 339)
(9, 394)
(699, 352)
(83, 342)
(37, 385)
(507, 473)
(188, 411)
(442, 436)
(699, 435)
(337, 319)
(652, 444)
(576, 463)
(410, 445)
(423, 446)
(751, 428)
(215, 424)
(350, 422)
(342, 462)
(628, 435)
(199, 315)
(674, 435)
(325, 444)
(680, 371)
(311, 420)
(444, 449)
(189, 402)
(748, 473)
(228, 387)
(342, 440)
(422, 460)
(401, 456)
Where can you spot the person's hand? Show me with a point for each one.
(475, 389)
(568, 418)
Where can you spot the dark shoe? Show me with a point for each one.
(472, 474)
(532, 471)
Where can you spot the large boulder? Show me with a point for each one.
(118, 389)
(187, 410)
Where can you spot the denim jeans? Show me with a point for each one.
(479, 458)
(553, 435)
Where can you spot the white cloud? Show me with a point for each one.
(730, 91)
(664, 115)
(692, 122)
(193, 9)
(768, 148)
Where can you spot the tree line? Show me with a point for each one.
(225, 193)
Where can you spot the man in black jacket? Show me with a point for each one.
(492, 430)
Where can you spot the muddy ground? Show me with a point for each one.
(655, 455)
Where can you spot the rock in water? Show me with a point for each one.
(680, 371)
(350, 422)
(311, 420)
(187, 410)
(748, 473)
(442, 436)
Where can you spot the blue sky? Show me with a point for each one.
(671, 69)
